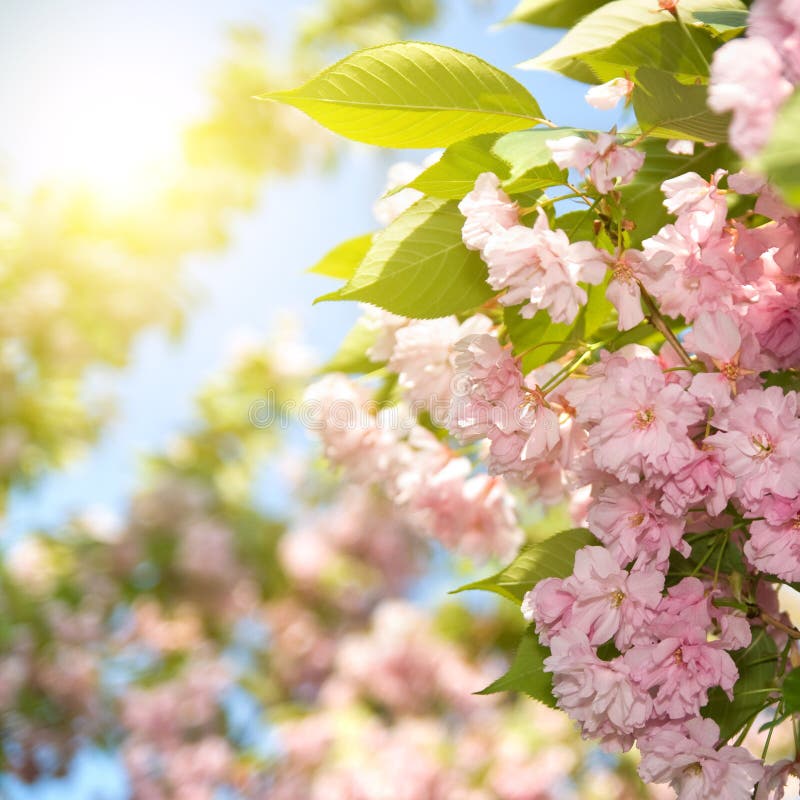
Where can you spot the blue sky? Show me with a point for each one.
(58, 59)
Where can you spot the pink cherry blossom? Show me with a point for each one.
(541, 268)
(624, 291)
(681, 668)
(747, 79)
(759, 438)
(685, 756)
(609, 601)
(487, 209)
(630, 522)
(699, 477)
(600, 695)
(607, 95)
(610, 164)
(775, 549)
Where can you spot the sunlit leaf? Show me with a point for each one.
(343, 260)
(418, 267)
(607, 25)
(352, 353)
(550, 558)
(553, 13)
(413, 94)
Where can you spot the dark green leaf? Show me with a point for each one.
(757, 666)
(526, 673)
(791, 691)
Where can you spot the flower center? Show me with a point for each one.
(677, 656)
(694, 769)
(763, 445)
(796, 523)
(636, 519)
(617, 598)
(730, 371)
(623, 273)
(644, 418)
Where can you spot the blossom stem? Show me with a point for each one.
(659, 323)
(566, 371)
(789, 630)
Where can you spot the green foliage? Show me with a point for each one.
(669, 109)
(352, 353)
(757, 666)
(526, 673)
(521, 160)
(418, 267)
(663, 46)
(550, 558)
(780, 159)
(790, 691)
(609, 24)
(539, 340)
(553, 13)
(343, 260)
(725, 23)
(413, 94)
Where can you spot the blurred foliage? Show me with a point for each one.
(80, 279)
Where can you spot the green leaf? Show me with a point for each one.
(669, 109)
(780, 159)
(539, 340)
(606, 26)
(791, 692)
(352, 353)
(664, 46)
(418, 266)
(725, 23)
(551, 558)
(526, 673)
(553, 13)
(413, 94)
(343, 260)
(643, 198)
(521, 160)
(757, 666)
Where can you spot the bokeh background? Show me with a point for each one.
(156, 228)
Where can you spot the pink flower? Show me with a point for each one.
(685, 756)
(699, 205)
(629, 521)
(680, 147)
(610, 164)
(600, 695)
(773, 785)
(645, 422)
(424, 356)
(759, 438)
(487, 209)
(548, 605)
(699, 478)
(610, 601)
(624, 292)
(541, 268)
(681, 668)
(487, 388)
(607, 95)
(777, 22)
(747, 79)
(775, 548)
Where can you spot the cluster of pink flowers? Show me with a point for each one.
(665, 445)
(753, 76)
(437, 488)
